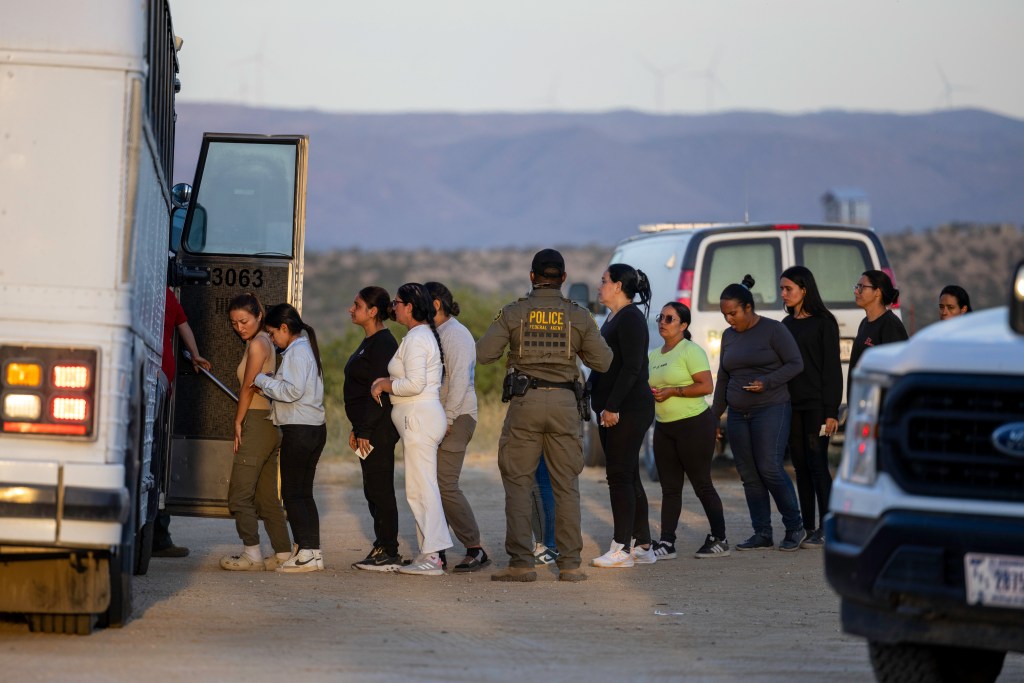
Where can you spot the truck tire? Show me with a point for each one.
(593, 454)
(67, 624)
(122, 562)
(914, 663)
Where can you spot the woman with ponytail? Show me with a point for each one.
(622, 399)
(373, 435)
(414, 384)
(875, 293)
(684, 434)
(297, 394)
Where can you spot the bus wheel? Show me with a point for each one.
(122, 562)
(68, 624)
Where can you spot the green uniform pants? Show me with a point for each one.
(544, 420)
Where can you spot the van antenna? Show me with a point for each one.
(746, 199)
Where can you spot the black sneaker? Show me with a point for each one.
(792, 540)
(664, 550)
(756, 542)
(444, 560)
(713, 547)
(814, 540)
(379, 561)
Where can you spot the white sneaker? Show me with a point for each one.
(644, 555)
(305, 560)
(617, 556)
(427, 564)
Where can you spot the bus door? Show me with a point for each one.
(243, 232)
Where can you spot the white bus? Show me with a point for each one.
(87, 128)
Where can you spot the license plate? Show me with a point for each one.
(845, 349)
(994, 580)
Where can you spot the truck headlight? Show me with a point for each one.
(860, 450)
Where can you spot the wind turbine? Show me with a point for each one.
(659, 74)
(710, 78)
(255, 60)
(948, 88)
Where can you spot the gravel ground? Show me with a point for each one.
(764, 616)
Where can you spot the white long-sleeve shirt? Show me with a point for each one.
(458, 393)
(296, 389)
(415, 368)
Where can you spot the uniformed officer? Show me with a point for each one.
(544, 333)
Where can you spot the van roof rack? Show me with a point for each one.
(661, 227)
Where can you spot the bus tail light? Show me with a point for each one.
(48, 391)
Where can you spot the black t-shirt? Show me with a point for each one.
(366, 364)
(885, 329)
(820, 385)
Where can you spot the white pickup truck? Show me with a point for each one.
(925, 539)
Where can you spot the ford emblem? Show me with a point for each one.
(1009, 439)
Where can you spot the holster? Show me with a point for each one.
(582, 392)
(515, 384)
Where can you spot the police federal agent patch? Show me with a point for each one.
(546, 328)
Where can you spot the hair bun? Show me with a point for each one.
(748, 281)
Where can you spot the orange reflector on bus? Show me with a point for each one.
(22, 407)
(70, 376)
(24, 374)
(40, 428)
(69, 408)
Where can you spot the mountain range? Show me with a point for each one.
(448, 181)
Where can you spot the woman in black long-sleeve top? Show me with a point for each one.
(815, 395)
(622, 399)
(373, 433)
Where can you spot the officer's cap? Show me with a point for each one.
(548, 263)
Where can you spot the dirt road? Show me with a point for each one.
(763, 616)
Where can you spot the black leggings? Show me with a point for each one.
(621, 445)
(301, 446)
(809, 453)
(684, 449)
(379, 485)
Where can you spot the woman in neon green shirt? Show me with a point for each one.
(684, 431)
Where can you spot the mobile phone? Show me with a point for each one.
(822, 432)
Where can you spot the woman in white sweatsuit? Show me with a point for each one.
(415, 384)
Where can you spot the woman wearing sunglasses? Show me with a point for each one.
(684, 431)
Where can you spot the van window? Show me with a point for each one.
(837, 265)
(726, 262)
(246, 202)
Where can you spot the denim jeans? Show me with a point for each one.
(547, 499)
(758, 440)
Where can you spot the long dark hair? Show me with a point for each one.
(740, 292)
(802, 277)
(881, 281)
(958, 293)
(437, 291)
(683, 311)
(378, 297)
(633, 282)
(285, 314)
(422, 310)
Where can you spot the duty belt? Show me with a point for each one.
(536, 383)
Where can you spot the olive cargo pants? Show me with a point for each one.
(543, 420)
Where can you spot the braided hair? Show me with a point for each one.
(285, 314)
(422, 310)
(633, 282)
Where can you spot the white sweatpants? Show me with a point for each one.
(422, 425)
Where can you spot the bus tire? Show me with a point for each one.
(122, 561)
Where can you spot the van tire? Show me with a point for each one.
(914, 663)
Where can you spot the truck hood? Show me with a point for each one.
(978, 343)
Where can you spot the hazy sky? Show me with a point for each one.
(671, 56)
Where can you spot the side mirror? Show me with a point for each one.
(181, 194)
(1017, 300)
(580, 293)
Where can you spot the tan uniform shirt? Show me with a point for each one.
(545, 333)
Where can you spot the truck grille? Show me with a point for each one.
(935, 436)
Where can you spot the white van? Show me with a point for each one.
(693, 263)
